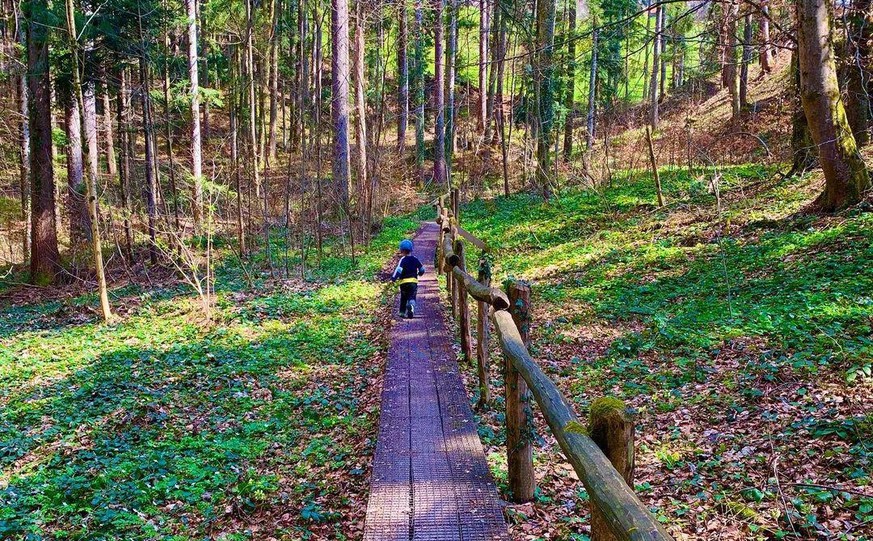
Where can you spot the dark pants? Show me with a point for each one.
(407, 293)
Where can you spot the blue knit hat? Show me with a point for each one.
(406, 245)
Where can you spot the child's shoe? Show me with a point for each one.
(410, 310)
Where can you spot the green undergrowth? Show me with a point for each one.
(694, 277)
(737, 327)
(161, 426)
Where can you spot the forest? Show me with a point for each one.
(200, 207)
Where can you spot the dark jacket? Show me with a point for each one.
(408, 270)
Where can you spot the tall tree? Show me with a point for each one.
(592, 89)
(340, 100)
(731, 73)
(273, 59)
(544, 80)
(358, 78)
(569, 100)
(766, 55)
(655, 118)
(85, 96)
(196, 147)
(484, 28)
(746, 60)
(402, 74)
(451, 55)
(125, 145)
(440, 176)
(77, 210)
(44, 255)
(418, 79)
(846, 175)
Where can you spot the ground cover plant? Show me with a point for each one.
(161, 426)
(738, 329)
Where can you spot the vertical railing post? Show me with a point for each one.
(612, 428)
(448, 270)
(454, 289)
(482, 337)
(438, 253)
(463, 305)
(519, 424)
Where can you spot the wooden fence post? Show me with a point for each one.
(519, 423)
(455, 283)
(438, 253)
(483, 336)
(463, 306)
(612, 429)
(456, 201)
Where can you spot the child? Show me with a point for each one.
(407, 271)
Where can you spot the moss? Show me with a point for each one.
(575, 427)
(607, 406)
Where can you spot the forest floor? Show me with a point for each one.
(258, 424)
(739, 329)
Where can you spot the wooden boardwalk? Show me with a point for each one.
(430, 479)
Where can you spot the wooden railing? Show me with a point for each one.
(601, 453)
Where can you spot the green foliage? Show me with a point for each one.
(694, 287)
(156, 427)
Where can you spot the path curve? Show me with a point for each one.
(430, 480)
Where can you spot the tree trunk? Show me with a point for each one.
(87, 100)
(846, 176)
(544, 74)
(731, 73)
(235, 100)
(77, 211)
(24, 159)
(151, 182)
(358, 68)
(254, 155)
(766, 55)
(274, 80)
(483, 65)
(168, 141)
(747, 59)
(90, 128)
(111, 163)
(196, 148)
(571, 80)
(402, 76)
(592, 90)
(340, 100)
(440, 177)
(419, 90)
(451, 55)
(654, 118)
(44, 255)
(859, 36)
(124, 121)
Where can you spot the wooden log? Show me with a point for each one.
(483, 337)
(456, 202)
(491, 295)
(463, 306)
(627, 517)
(519, 422)
(450, 259)
(611, 426)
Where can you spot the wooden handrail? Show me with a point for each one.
(491, 295)
(478, 243)
(627, 517)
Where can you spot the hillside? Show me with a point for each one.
(739, 331)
